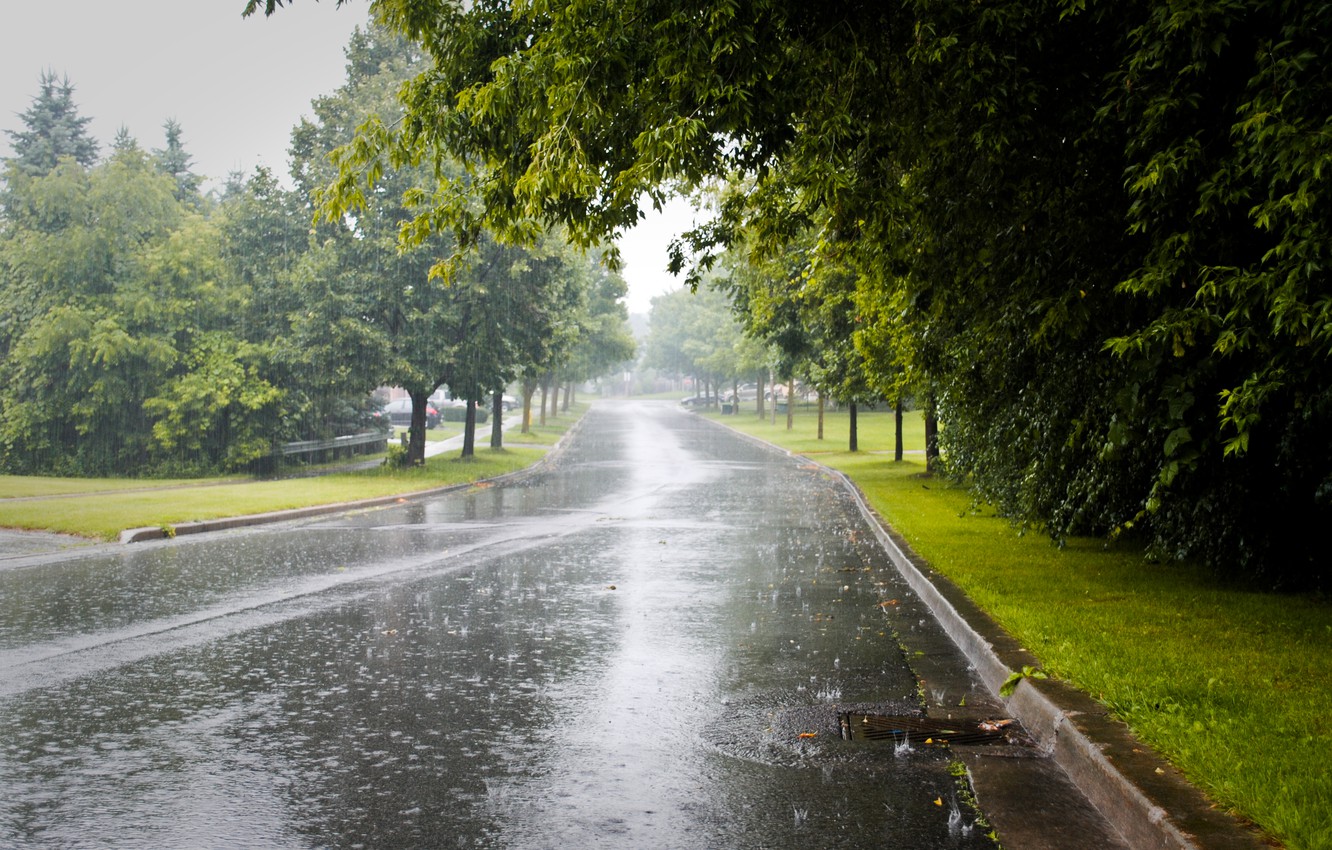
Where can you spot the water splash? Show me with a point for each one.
(956, 828)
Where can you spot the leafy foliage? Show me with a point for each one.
(53, 130)
(1091, 235)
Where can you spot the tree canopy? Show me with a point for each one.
(53, 130)
(148, 329)
(1102, 225)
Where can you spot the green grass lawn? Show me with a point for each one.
(97, 516)
(548, 434)
(37, 486)
(1230, 685)
(85, 509)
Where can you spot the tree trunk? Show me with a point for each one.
(497, 419)
(897, 423)
(416, 431)
(761, 411)
(545, 391)
(568, 391)
(469, 431)
(855, 430)
(821, 415)
(529, 389)
(735, 395)
(931, 440)
(790, 404)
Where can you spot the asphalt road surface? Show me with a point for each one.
(670, 637)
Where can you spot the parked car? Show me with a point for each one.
(399, 412)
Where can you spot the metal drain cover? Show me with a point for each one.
(930, 732)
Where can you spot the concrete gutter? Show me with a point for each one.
(1140, 795)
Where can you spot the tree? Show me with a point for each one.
(118, 342)
(53, 130)
(804, 306)
(694, 334)
(429, 315)
(174, 162)
(605, 341)
(1107, 244)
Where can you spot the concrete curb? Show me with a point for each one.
(1140, 794)
(152, 532)
(1146, 799)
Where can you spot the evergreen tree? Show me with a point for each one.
(124, 143)
(174, 162)
(53, 130)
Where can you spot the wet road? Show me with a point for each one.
(648, 645)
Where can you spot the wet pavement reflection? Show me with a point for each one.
(648, 644)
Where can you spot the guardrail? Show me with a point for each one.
(351, 444)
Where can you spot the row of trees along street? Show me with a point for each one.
(753, 321)
(1091, 238)
(148, 328)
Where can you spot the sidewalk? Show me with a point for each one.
(512, 420)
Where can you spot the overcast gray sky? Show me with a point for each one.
(236, 85)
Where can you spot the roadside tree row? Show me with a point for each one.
(1092, 236)
(148, 328)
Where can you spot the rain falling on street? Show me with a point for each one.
(655, 641)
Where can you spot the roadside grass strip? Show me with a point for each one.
(1230, 685)
(548, 434)
(103, 516)
(38, 486)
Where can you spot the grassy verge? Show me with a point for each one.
(94, 515)
(548, 434)
(85, 508)
(1230, 685)
(37, 486)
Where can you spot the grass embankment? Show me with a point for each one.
(548, 434)
(102, 508)
(1230, 685)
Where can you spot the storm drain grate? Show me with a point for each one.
(927, 731)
